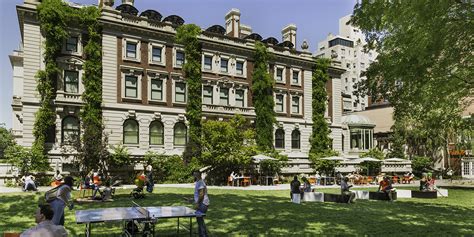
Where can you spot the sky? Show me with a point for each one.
(315, 19)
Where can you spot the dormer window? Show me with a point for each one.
(224, 65)
(131, 50)
(71, 44)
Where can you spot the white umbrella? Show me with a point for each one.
(260, 157)
(369, 159)
(394, 160)
(335, 158)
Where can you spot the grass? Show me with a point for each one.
(270, 213)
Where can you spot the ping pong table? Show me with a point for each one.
(142, 215)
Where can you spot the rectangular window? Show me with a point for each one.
(156, 54)
(156, 89)
(180, 92)
(179, 58)
(239, 98)
(207, 95)
(295, 105)
(131, 86)
(131, 50)
(208, 62)
(71, 44)
(296, 77)
(224, 96)
(240, 68)
(224, 65)
(71, 81)
(279, 103)
(279, 76)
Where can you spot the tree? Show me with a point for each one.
(187, 35)
(24, 160)
(262, 89)
(6, 140)
(425, 66)
(372, 166)
(227, 146)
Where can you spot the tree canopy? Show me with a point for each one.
(425, 66)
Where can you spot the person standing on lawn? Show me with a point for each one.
(45, 227)
(63, 199)
(201, 202)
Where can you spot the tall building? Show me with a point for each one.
(145, 92)
(348, 48)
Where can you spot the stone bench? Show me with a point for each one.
(331, 197)
(313, 197)
(361, 194)
(381, 196)
(424, 194)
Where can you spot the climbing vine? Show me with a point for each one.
(55, 18)
(262, 87)
(320, 140)
(187, 35)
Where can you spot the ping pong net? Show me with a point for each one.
(143, 211)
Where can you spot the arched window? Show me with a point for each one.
(279, 138)
(180, 134)
(70, 129)
(156, 133)
(130, 132)
(295, 139)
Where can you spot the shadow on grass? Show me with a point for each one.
(250, 213)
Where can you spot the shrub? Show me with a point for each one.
(120, 157)
(169, 169)
(324, 166)
(270, 167)
(420, 164)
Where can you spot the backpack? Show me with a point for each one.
(51, 194)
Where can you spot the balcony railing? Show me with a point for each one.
(228, 109)
(65, 97)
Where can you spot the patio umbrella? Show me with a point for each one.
(260, 157)
(335, 158)
(394, 160)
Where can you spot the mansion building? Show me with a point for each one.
(144, 90)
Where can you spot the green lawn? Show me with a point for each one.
(270, 213)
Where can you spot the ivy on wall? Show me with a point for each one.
(320, 141)
(55, 18)
(187, 35)
(262, 87)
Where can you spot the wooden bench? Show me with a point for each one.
(381, 196)
(426, 194)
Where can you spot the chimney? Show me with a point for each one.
(289, 34)
(245, 30)
(232, 23)
(129, 2)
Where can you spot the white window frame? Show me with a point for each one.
(228, 65)
(174, 91)
(79, 45)
(163, 76)
(212, 94)
(284, 104)
(244, 97)
(228, 95)
(150, 54)
(244, 67)
(175, 51)
(283, 74)
(204, 55)
(137, 57)
(300, 72)
(132, 71)
(299, 104)
(65, 66)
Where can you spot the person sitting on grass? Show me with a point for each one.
(45, 227)
(386, 187)
(345, 192)
(295, 187)
(29, 182)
